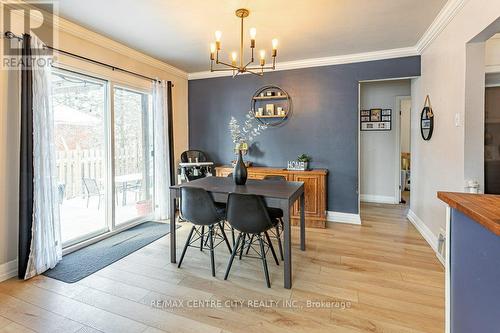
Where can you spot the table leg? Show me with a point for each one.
(287, 244)
(302, 222)
(173, 194)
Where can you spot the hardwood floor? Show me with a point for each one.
(379, 277)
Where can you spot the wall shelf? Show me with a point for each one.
(283, 101)
(258, 98)
(269, 116)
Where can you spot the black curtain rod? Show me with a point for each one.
(11, 35)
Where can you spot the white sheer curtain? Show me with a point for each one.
(46, 247)
(161, 149)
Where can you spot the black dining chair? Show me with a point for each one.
(277, 213)
(248, 214)
(198, 207)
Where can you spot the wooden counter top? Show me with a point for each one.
(482, 208)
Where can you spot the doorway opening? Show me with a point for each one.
(384, 136)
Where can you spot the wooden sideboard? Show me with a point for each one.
(315, 186)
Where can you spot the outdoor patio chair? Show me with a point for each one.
(92, 189)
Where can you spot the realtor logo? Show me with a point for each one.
(22, 17)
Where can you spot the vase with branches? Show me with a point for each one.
(242, 137)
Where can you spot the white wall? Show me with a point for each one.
(405, 125)
(492, 56)
(74, 39)
(379, 149)
(438, 164)
(474, 113)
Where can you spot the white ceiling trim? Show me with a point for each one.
(492, 69)
(325, 61)
(76, 30)
(447, 13)
(115, 46)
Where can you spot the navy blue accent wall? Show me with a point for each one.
(475, 276)
(324, 123)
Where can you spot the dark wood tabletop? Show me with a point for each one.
(268, 188)
(282, 194)
(482, 208)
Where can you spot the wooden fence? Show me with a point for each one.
(73, 165)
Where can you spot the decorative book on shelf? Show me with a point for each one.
(271, 105)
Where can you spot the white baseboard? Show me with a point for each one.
(339, 217)
(377, 199)
(8, 270)
(426, 233)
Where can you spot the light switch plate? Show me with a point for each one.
(457, 119)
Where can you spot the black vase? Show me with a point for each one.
(240, 171)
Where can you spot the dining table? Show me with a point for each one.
(123, 181)
(281, 195)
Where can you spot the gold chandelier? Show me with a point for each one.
(242, 67)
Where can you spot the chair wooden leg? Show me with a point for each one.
(249, 244)
(272, 248)
(280, 246)
(221, 226)
(201, 237)
(235, 250)
(242, 245)
(264, 262)
(186, 246)
(212, 255)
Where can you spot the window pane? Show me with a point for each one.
(133, 162)
(79, 104)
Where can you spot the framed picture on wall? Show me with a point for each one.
(375, 114)
(376, 120)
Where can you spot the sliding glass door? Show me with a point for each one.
(103, 155)
(133, 167)
(80, 127)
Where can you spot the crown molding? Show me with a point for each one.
(100, 40)
(447, 13)
(61, 24)
(325, 61)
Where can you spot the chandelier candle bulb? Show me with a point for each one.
(234, 57)
(275, 47)
(218, 36)
(212, 51)
(242, 65)
(253, 33)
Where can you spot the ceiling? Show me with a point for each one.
(179, 31)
